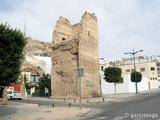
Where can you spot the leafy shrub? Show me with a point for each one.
(138, 77)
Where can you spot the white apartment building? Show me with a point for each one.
(148, 71)
(148, 68)
(158, 71)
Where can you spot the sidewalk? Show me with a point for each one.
(35, 112)
(127, 95)
(43, 98)
(73, 101)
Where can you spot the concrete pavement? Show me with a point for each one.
(145, 106)
(123, 105)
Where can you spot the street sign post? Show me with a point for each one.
(80, 74)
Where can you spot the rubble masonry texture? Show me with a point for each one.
(74, 47)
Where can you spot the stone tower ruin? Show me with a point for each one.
(75, 47)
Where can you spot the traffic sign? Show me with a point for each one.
(80, 72)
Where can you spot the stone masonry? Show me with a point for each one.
(37, 48)
(74, 47)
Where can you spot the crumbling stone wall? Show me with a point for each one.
(64, 61)
(38, 48)
(74, 47)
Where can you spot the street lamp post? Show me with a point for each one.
(134, 53)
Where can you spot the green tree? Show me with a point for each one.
(12, 42)
(45, 82)
(138, 77)
(113, 75)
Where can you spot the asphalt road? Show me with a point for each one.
(5, 111)
(141, 107)
(144, 107)
(42, 102)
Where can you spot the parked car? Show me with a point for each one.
(14, 95)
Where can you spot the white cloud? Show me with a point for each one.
(123, 25)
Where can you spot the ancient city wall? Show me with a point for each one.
(82, 38)
(64, 68)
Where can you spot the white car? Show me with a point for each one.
(14, 95)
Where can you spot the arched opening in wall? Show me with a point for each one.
(63, 38)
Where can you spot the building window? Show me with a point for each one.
(132, 70)
(63, 38)
(142, 69)
(35, 78)
(127, 70)
(121, 80)
(102, 68)
(152, 69)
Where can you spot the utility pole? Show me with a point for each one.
(134, 53)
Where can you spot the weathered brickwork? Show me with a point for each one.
(38, 48)
(74, 47)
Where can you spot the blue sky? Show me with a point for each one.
(123, 24)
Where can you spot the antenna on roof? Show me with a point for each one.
(24, 28)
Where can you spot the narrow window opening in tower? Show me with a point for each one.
(88, 33)
(63, 38)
